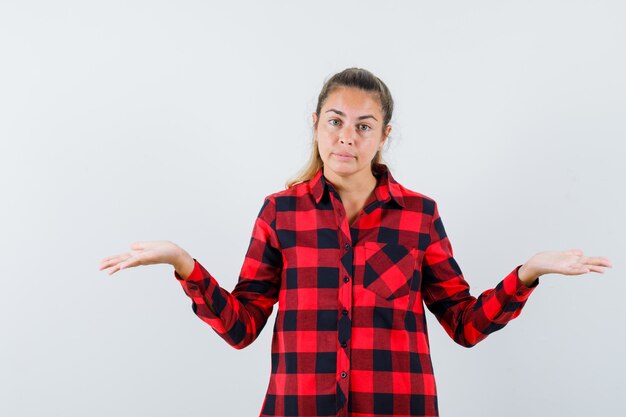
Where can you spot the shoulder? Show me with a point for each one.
(414, 200)
(297, 190)
(287, 198)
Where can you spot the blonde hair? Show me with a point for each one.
(350, 77)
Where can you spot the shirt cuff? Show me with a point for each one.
(515, 287)
(197, 285)
(195, 274)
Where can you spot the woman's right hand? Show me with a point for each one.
(145, 253)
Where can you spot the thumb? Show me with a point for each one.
(137, 246)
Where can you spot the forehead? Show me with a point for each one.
(352, 100)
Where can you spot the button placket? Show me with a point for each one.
(344, 301)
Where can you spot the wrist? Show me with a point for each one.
(527, 275)
(183, 264)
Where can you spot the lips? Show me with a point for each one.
(344, 154)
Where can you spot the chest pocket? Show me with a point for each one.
(389, 268)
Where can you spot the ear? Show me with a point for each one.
(386, 133)
(314, 118)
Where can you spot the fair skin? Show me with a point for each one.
(348, 134)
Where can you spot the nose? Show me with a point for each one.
(346, 135)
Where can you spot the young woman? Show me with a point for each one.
(351, 256)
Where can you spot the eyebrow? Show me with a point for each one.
(359, 118)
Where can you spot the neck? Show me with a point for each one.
(358, 183)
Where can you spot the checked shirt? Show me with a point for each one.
(350, 335)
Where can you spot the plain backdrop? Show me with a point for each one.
(123, 121)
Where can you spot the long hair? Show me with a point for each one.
(350, 77)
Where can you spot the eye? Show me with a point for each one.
(333, 120)
(365, 128)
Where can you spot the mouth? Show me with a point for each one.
(343, 155)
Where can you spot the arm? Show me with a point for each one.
(239, 316)
(467, 319)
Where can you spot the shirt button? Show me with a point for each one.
(344, 344)
(344, 312)
(347, 246)
(343, 374)
(346, 279)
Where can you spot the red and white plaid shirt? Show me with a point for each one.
(350, 335)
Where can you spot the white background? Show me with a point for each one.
(142, 120)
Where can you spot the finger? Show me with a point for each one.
(108, 272)
(575, 268)
(113, 260)
(115, 269)
(601, 260)
(106, 264)
(127, 263)
(131, 261)
(106, 261)
(114, 257)
(597, 261)
(112, 267)
(596, 269)
(112, 270)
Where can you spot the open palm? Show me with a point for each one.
(569, 262)
(143, 253)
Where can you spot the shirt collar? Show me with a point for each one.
(386, 189)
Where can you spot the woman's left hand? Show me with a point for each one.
(569, 262)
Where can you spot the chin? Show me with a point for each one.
(342, 169)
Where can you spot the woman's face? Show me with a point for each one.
(349, 132)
